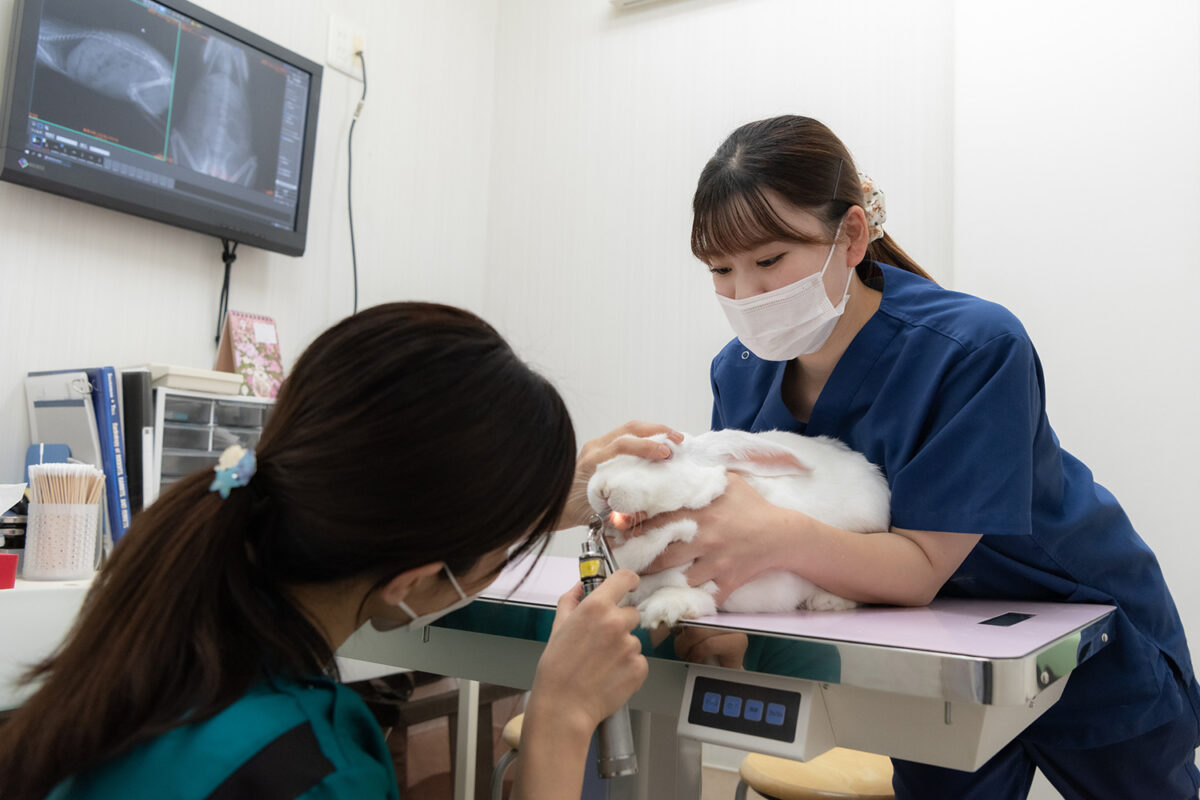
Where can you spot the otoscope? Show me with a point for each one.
(616, 754)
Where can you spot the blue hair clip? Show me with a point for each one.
(234, 469)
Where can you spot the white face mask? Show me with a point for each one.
(791, 321)
(421, 620)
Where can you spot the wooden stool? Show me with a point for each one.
(398, 702)
(512, 737)
(838, 773)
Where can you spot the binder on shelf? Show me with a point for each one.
(249, 346)
(101, 386)
(112, 448)
(137, 416)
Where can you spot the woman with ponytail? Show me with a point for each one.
(840, 333)
(409, 457)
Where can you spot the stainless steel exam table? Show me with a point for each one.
(947, 684)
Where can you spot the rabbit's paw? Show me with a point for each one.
(822, 600)
(637, 552)
(672, 603)
(649, 584)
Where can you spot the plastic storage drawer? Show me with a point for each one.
(177, 463)
(238, 415)
(194, 410)
(177, 436)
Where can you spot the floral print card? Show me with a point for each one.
(250, 347)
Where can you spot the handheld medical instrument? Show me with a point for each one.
(616, 752)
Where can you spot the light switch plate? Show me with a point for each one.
(344, 42)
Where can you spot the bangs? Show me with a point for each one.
(737, 220)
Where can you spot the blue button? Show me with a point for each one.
(733, 706)
(775, 713)
(712, 702)
(754, 709)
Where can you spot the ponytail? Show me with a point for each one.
(885, 251)
(173, 626)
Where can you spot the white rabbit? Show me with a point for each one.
(819, 476)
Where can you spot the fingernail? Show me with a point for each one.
(664, 451)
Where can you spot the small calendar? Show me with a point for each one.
(250, 347)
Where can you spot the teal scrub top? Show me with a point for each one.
(312, 739)
(945, 392)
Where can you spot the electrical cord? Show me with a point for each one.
(350, 173)
(228, 255)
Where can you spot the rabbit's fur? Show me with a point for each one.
(819, 476)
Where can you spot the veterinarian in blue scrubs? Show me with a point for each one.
(840, 333)
(382, 489)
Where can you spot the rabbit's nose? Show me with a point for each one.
(621, 521)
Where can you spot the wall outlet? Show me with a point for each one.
(344, 42)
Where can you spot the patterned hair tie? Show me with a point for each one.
(234, 469)
(874, 204)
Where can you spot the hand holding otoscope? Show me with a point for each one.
(591, 665)
(615, 734)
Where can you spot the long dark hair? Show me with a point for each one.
(406, 434)
(803, 162)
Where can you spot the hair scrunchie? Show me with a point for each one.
(874, 204)
(234, 470)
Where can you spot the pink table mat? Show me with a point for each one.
(947, 625)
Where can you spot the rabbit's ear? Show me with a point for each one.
(769, 462)
(748, 454)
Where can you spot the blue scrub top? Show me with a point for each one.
(313, 739)
(945, 393)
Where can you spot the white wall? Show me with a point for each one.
(1077, 176)
(84, 285)
(603, 121)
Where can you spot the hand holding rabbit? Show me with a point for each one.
(738, 537)
(632, 439)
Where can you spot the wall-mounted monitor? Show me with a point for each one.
(162, 110)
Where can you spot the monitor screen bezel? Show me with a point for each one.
(111, 191)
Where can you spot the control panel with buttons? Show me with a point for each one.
(755, 711)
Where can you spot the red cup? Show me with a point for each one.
(8, 570)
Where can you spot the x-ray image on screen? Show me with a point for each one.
(166, 88)
(107, 72)
(215, 128)
(163, 109)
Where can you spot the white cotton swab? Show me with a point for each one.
(72, 484)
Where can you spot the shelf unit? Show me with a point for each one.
(192, 429)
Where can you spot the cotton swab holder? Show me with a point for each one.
(61, 537)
